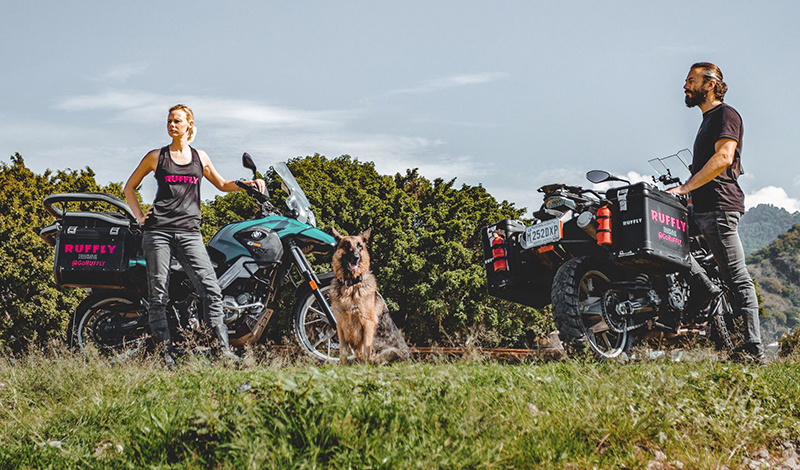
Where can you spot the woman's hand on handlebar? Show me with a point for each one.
(257, 184)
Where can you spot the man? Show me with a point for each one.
(717, 198)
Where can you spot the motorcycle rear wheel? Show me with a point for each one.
(577, 294)
(727, 329)
(102, 308)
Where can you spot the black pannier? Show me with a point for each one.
(510, 274)
(650, 229)
(93, 249)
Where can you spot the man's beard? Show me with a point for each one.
(695, 98)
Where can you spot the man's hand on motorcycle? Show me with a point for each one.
(678, 190)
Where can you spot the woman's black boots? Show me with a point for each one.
(221, 331)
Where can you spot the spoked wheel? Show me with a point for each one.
(577, 295)
(727, 329)
(113, 324)
(314, 333)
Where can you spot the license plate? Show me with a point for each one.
(541, 234)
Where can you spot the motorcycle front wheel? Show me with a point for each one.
(314, 333)
(112, 323)
(577, 295)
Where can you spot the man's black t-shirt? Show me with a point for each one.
(723, 192)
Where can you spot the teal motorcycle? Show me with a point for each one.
(101, 251)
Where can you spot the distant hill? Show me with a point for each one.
(776, 270)
(762, 224)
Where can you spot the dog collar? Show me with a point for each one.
(354, 281)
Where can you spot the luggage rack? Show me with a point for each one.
(122, 217)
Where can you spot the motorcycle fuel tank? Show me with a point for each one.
(231, 244)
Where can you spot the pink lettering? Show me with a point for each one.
(111, 248)
(68, 248)
(181, 179)
(653, 214)
(78, 248)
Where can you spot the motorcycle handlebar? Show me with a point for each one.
(260, 197)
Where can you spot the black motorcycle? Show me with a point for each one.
(613, 265)
(254, 260)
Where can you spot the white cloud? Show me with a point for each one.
(772, 195)
(142, 107)
(631, 176)
(454, 81)
(122, 72)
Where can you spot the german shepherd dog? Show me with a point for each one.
(363, 322)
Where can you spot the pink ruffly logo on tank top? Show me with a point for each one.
(178, 179)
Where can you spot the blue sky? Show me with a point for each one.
(508, 94)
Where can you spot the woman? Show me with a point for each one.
(172, 226)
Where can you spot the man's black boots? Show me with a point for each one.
(750, 353)
(224, 343)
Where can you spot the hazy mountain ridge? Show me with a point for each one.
(762, 224)
(776, 270)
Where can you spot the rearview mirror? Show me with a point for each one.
(598, 176)
(248, 163)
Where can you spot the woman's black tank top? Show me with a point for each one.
(177, 204)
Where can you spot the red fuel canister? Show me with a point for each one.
(604, 226)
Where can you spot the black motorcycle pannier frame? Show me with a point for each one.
(93, 249)
(650, 229)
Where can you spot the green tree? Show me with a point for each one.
(32, 308)
(426, 249)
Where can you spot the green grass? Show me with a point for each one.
(65, 411)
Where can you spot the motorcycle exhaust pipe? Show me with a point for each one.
(586, 221)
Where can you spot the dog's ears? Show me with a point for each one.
(365, 234)
(336, 235)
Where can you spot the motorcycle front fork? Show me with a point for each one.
(310, 277)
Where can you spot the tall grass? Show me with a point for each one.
(66, 411)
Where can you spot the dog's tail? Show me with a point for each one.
(388, 339)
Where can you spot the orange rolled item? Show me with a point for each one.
(604, 226)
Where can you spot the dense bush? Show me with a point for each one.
(425, 246)
(32, 308)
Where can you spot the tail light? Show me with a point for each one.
(499, 254)
(604, 226)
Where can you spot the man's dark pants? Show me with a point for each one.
(720, 229)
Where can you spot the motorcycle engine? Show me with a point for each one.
(234, 307)
(678, 295)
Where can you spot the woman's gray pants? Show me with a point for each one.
(189, 249)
